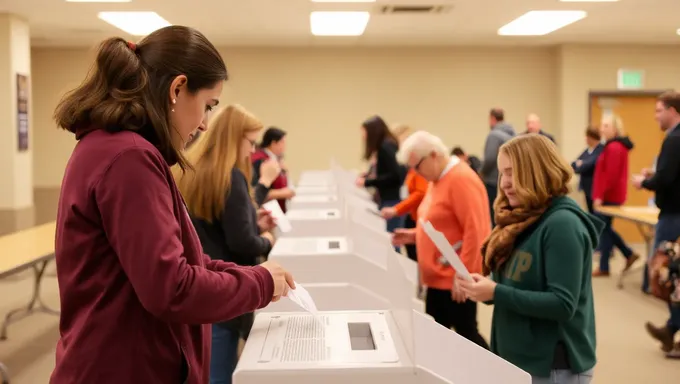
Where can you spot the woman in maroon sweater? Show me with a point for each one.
(610, 187)
(137, 293)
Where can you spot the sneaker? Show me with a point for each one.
(661, 334)
(630, 261)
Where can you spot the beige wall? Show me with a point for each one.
(321, 95)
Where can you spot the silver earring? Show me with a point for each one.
(174, 101)
(172, 110)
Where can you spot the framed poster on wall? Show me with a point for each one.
(22, 111)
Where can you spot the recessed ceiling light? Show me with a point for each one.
(135, 23)
(538, 23)
(338, 23)
(98, 1)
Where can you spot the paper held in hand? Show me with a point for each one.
(301, 297)
(277, 213)
(446, 249)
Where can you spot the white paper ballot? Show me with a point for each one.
(278, 215)
(301, 297)
(446, 249)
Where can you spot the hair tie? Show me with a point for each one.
(132, 46)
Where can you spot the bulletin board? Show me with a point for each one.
(22, 111)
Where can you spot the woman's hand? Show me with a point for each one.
(479, 289)
(457, 293)
(402, 236)
(283, 280)
(265, 220)
(269, 171)
(388, 212)
(287, 193)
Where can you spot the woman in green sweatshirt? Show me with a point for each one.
(539, 256)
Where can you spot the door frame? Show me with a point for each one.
(616, 93)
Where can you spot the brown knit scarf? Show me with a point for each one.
(510, 223)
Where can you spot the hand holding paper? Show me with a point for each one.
(279, 217)
(301, 297)
(446, 249)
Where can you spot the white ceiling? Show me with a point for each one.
(286, 22)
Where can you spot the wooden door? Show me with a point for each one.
(637, 115)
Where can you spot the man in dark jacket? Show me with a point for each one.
(664, 181)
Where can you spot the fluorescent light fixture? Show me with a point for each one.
(678, 31)
(338, 23)
(539, 23)
(135, 23)
(98, 1)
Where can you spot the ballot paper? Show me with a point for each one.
(301, 297)
(446, 249)
(281, 220)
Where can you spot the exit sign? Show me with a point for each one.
(630, 79)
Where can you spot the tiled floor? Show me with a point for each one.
(626, 354)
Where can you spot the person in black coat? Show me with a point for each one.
(584, 166)
(388, 175)
(222, 206)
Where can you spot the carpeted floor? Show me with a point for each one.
(626, 354)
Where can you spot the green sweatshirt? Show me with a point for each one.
(544, 293)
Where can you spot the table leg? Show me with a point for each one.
(647, 233)
(4, 374)
(35, 305)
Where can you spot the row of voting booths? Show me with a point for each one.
(370, 326)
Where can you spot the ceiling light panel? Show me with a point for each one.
(98, 1)
(338, 23)
(134, 23)
(539, 23)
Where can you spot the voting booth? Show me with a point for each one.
(358, 263)
(336, 221)
(396, 346)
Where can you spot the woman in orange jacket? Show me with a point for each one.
(416, 186)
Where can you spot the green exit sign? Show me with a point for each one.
(630, 79)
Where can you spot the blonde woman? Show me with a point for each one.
(539, 255)
(417, 188)
(218, 196)
(610, 186)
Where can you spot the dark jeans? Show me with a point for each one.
(610, 239)
(395, 222)
(491, 192)
(410, 248)
(224, 354)
(461, 316)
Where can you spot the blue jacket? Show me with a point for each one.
(587, 169)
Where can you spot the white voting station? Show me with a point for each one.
(345, 272)
(336, 221)
(396, 346)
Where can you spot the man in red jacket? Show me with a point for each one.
(610, 187)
